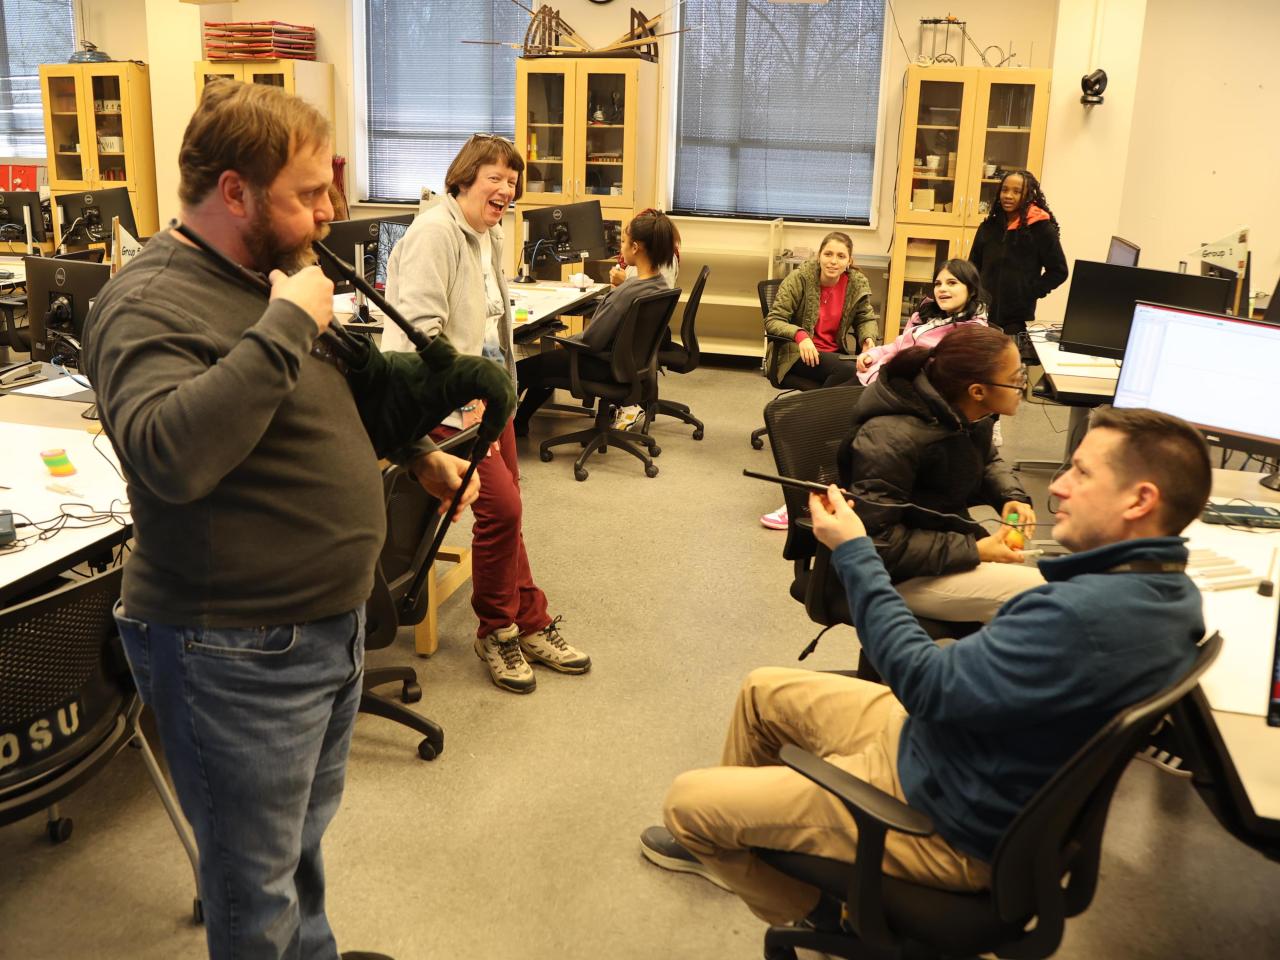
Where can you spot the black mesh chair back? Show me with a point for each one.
(684, 357)
(60, 669)
(767, 290)
(1045, 868)
(412, 520)
(634, 355)
(805, 433)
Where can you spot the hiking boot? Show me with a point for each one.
(547, 647)
(658, 846)
(500, 651)
(776, 520)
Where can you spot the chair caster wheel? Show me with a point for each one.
(757, 443)
(651, 470)
(427, 751)
(410, 692)
(655, 451)
(698, 434)
(545, 456)
(59, 831)
(197, 911)
(579, 473)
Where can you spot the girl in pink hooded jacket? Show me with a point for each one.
(958, 298)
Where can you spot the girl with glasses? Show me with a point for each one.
(922, 438)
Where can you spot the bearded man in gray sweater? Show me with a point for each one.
(249, 452)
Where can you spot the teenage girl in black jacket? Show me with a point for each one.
(1018, 252)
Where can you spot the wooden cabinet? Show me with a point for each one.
(962, 127)
(587, 128)
(97, 127)
(304, 78)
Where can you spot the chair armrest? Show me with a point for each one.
(875, 812)
(863, 800)
(566, 342)
(463, 438)
(779, 338)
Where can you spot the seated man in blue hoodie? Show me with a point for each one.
(968, 732)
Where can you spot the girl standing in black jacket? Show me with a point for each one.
(1018, 252)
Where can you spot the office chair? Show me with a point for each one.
(681, 357)
(68, 697)
(400, 594)
(634, 370)
(805, 432)
(1045, 867)
(11, 335)
(767, 290)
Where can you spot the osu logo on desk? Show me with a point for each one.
(30, 741)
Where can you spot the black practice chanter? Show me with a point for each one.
(348, 348)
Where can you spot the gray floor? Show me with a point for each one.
(521, 840)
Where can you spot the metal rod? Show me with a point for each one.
(419, 339)
(477, 455)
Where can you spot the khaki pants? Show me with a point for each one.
(751, 801)
(973, 595)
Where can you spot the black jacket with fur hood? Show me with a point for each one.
(909, 445)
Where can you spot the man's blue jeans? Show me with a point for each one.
(256, 724)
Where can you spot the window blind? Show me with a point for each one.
(32, 32)
(777, 108)
(428, 91)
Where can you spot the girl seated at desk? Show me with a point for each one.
(922, 438)
(649, 245)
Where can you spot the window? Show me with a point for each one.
(32, 32)
(428, 91)
(777, 109)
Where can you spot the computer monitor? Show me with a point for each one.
(59, 293)
(13, 222)
(1273, 306)
(1216, 371)
(1102, 296)
(389, 234)
(1226, 273)
(92, 255)
(343, 239)
(1123, 253)
(86, 217)
(571, 231)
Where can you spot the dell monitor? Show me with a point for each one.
(1123, 253)
(1216, 371)
(1102, 296)
(356, 241)
(59, 293)
(569, 232)
(21, 217)
(86, 217)
(389, 234)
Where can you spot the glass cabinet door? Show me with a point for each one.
(541, 131)
(608, 138)
(1009, 131)
(931, 188)
(918, 254)
(69, 162)
(109, 138)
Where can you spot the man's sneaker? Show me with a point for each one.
(547, 647)
(776, 520)
(1163, 748)
(658, 846)
(629, 418)
(500, 651)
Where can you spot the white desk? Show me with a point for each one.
(546, 299)
(1236, 685)
(94, 483)
(1093, 379)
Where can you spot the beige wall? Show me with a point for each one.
(117, 26)
(172, 32)
(1204, 139)
(1087, 148)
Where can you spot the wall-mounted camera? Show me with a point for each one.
(1093, 85)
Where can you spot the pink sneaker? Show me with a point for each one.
(776, 520)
